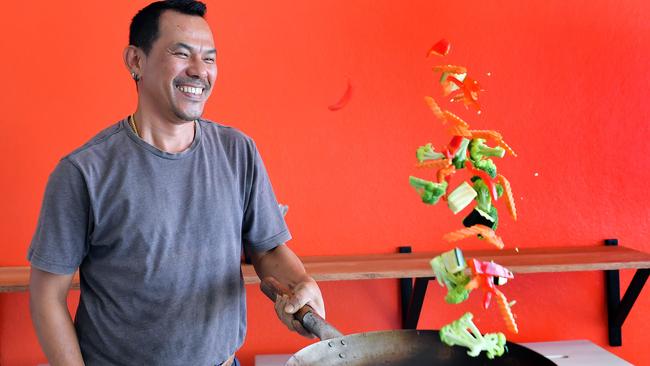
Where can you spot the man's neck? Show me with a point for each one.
(169, 136)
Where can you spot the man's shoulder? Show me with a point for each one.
(101, 141)
(226, 135)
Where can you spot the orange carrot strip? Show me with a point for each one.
(487, 135)
(461, 234)
(490, 236)
(510, 200)
(486, 233)
(454, 69)
(458, 98)
(494, 136)
(435, 108)
(506, 312)
(438, 164)
(448, 170)
(459, 131)
(472, 284)
(454, 119)
(506, 147)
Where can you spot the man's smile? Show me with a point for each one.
(193, 92)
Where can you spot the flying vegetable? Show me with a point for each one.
(449, 269)
(463, 332)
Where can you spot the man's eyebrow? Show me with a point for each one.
(190, 48)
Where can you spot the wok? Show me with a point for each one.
(389, 348)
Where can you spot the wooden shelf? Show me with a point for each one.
(416, 265)
(408, 266)
(530, 260)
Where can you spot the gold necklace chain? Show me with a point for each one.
(133, 126)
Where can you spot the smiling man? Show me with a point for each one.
(154, 212)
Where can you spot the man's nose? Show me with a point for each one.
(197, 68)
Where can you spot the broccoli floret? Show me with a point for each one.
(479, 150)
(427, 152)
(463, 332)
(483, 197)
(495, 216)
(429, 191)
(457, 294)
(488, 166)
(499, 188)
(455, 282)
(461, 155)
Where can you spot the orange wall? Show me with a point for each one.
(568, 90)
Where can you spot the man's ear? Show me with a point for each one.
(133, 60)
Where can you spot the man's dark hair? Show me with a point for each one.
(144, 28)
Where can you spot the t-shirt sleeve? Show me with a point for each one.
(264, 227)
(60, 241)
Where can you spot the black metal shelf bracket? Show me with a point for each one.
(618, 309)
(412, 296)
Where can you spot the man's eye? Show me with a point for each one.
(209, 60)
(181, 54)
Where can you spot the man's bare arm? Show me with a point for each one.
(282, 264)
(49, 309)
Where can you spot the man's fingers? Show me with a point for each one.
(295, 302)
(288, 319)
(306, 293)
(280, 303)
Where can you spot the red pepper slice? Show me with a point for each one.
(489, 268)
(472, 86)
(453, 146)
(469, 89)
(455, 80)
(486, 299)
(441, 48)
(485, 177)
(344, 99)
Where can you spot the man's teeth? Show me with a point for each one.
(191, 90)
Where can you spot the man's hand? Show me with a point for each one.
(283, 265)
(305, 293)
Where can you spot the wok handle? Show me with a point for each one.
(311, 321)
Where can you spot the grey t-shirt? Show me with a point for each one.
(157, 238)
